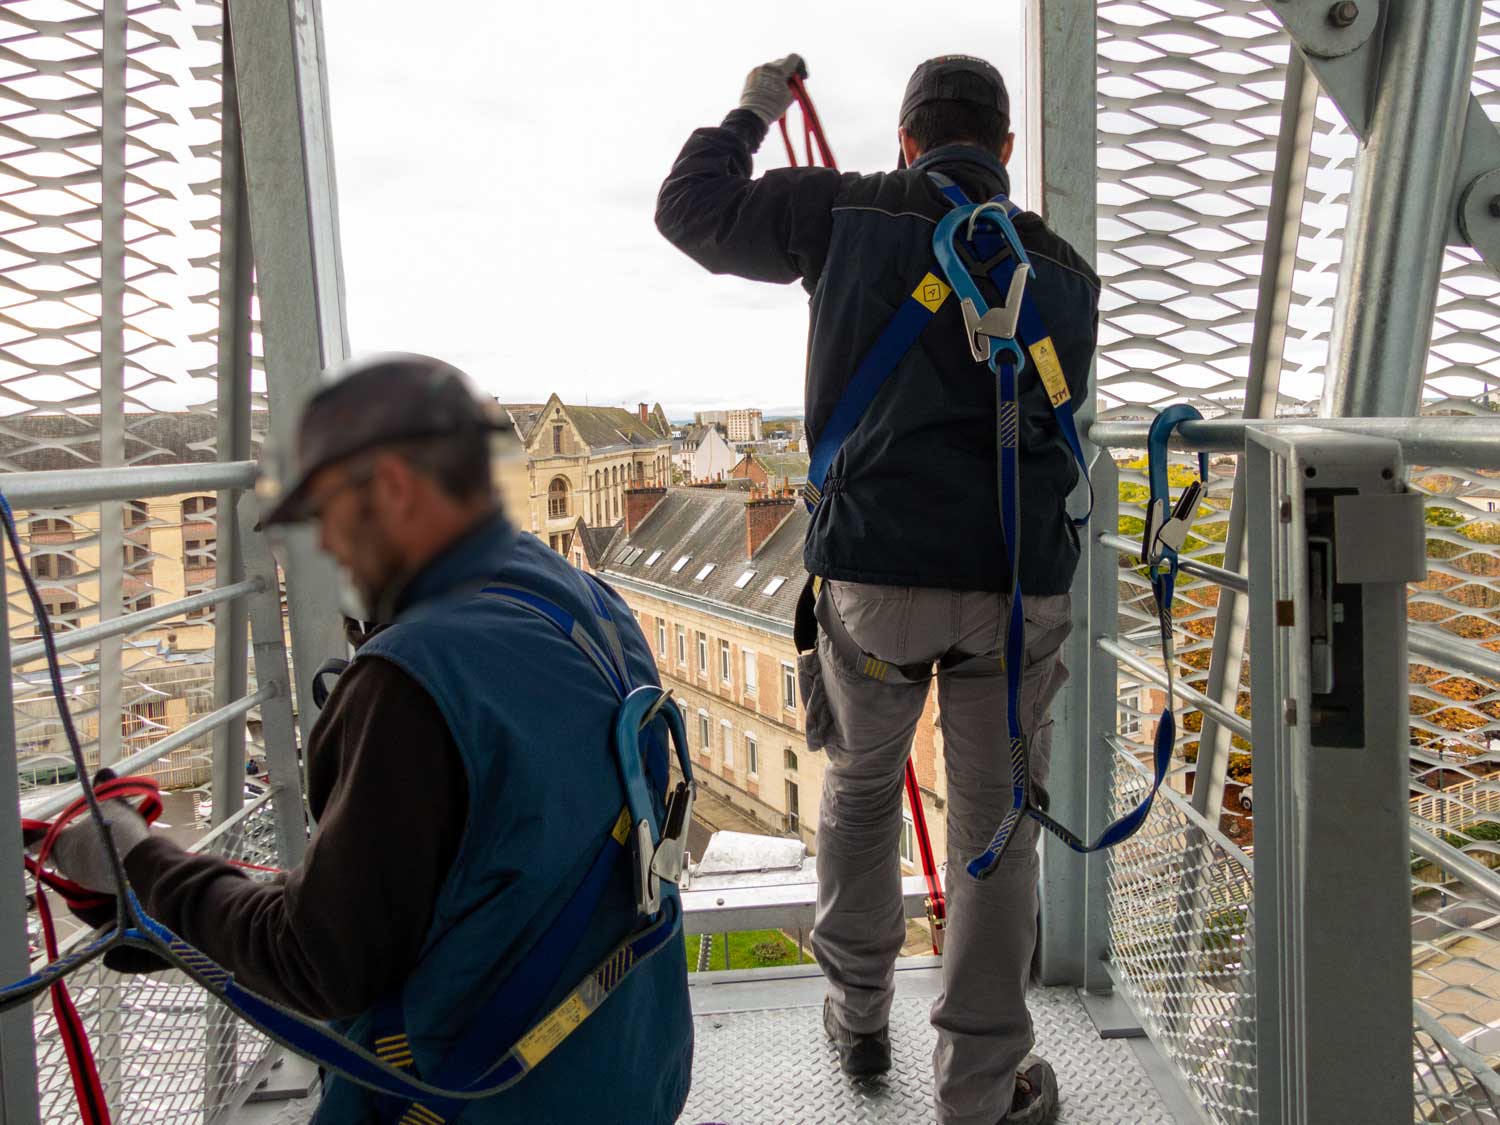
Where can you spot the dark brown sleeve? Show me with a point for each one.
(346, 927)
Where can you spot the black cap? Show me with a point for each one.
(955, 78)
(376, 401)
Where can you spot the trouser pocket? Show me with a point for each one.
(815, 709)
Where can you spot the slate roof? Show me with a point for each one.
(708, 525)
(605, 426)
(694, 435)
(597, 540)
(525, 415)
(45, 442)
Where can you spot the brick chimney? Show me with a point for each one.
(644, 412)
(640, 503)
(763, 515)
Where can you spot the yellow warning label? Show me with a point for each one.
(1047, 365)
(931, 292)
(544, 1038)
(621, 831)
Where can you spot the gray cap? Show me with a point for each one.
(375, 401)
(955, 78)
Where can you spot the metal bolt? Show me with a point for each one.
(1343, 14)
(1289, 712)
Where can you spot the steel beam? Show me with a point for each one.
(1344, 46)
(1299, 106)
(231, 620)
(1398, 210)
(1062, 164)
(288, 161)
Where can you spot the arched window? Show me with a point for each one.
(557, 498)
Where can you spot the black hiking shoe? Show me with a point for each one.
(1035, 1100)
(860, 1055)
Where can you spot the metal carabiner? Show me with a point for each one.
(984, 326)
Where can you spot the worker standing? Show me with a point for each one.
(907, 544)
(464, 783)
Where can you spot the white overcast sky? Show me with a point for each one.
(498, 167)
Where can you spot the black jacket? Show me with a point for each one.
(912, 498)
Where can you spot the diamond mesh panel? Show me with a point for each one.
(1189, 94)
(1182, 944)
(151, 1035)
(1451, 1084)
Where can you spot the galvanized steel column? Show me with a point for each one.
(1399, 210)
(288, 162)
(1062, 156)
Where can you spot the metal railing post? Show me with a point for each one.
(231, 621)
(18, 1096)
(1334, 538)
(278, 727)
(1102, 684)
(1062, 162)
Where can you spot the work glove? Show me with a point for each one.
(79, 854)
(767, 94)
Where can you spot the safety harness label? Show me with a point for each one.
(544, 1038)
(1050, 369)
(931, 293)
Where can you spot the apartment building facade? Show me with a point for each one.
(169, 551)
(713, 578)
(581, 459)
(738, 425)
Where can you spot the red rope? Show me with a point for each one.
(937, 908)
(92, 1106)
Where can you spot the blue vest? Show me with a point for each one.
(532, 718)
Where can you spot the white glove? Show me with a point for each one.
(79, 854)
(767, 94)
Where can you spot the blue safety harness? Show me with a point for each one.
(970, 241)
(509, 1035)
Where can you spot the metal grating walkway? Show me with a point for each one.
(761, 1059)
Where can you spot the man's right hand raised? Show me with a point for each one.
(766, 93)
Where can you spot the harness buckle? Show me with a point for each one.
(671, 853)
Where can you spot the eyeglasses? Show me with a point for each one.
(316, 507)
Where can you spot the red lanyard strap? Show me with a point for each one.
(937, 910)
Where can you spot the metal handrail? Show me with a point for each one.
(1156, 676)
(131, 622)
(1445, 855)
(240, 814)
(1216, 574)
(73, 487)
(1447, 650)
(157, 750)
(1469, 442)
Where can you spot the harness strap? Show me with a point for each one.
(1032, 332)
(1006, 360)
(879, 363)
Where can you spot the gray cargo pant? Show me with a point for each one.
(866, 727)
